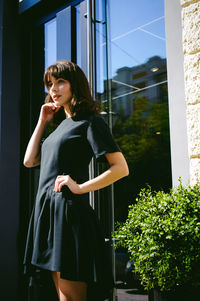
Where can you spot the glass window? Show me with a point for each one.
(50, 43)
(140, 96)
(78, 35)
(101, 84)
(101, 55)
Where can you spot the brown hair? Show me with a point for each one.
(82, 102)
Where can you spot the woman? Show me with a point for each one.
(64, 234)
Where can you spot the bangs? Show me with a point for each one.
(57, 71)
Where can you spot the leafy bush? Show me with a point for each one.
(162, 234)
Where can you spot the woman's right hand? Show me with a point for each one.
(33, 152)
(48, 110)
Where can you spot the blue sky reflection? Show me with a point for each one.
(137, 32)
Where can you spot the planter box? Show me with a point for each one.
(183, 294)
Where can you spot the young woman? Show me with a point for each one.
(64, 234)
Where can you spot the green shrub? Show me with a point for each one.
(162, 234)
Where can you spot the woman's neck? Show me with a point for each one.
(67, 112)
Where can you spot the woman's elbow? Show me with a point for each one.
(27, 164)
(123, 171)
(126, 171)
(30, 164)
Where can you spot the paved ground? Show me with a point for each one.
(124, 295)
(130, 294)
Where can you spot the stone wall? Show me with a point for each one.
(191, 48)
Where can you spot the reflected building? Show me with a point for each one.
(147, 80)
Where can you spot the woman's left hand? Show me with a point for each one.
(68, 181)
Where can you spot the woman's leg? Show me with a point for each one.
(55, 280)
(69, 290)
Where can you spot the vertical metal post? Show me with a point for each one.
(90, 78)
(110, 116)
(90, 43)
(84, 46)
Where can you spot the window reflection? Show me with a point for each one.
(78, 35)
(131, 85)
(50, 48)
(139, 106)
(50, 43)
(140, 97)
(146, 79)
(101, 55)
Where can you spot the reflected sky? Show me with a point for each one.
(78, 35)
(50, 43)
(137, 32)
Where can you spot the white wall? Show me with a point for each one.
(176, 88)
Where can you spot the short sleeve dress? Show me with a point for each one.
(64, 232)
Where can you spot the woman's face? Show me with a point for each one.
(60, 91)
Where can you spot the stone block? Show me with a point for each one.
(191, 28)
(187, 2)
(192, 78)
(193, 130)
(194, 171)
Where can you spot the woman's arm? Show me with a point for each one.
(32, 155)
(118, 169)
(33, 152)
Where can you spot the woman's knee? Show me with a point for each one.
(65, 296)
(72, 290)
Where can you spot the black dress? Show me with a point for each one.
(64, 232)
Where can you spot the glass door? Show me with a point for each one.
(99, 76)
(60, 35)
(131, 84)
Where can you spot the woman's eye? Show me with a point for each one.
(60, 80)
(49, 85)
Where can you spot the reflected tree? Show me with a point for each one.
(143, 137)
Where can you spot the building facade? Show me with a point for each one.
(191, 49)
(143, 68)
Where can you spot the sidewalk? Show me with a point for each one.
(130, 294)
(123, 295)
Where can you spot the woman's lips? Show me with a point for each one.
(55, 97)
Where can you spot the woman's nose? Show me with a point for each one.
(54, 87)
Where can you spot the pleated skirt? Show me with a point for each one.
(65, 235)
